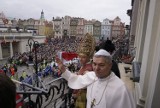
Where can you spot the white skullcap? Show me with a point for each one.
(102, 52)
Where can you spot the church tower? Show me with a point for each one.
(41, 24)
(42, 18)
(42, 15)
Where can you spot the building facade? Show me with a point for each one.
(105, 29)
(118, 30)
(88, 27)
(66, 25)
(73, 27)
(49, 29)
(146, 43)
(41, 27)
(57, 27)
(2, 17)
(97, 30)
(80, 27)
(11, 43)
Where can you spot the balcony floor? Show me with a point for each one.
(126, 76)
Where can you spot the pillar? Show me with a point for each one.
(11, 49)
(1, 56)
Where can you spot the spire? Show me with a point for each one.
(42, 18)
(42, 12)
(42, 15)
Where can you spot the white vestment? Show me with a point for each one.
(109, 92)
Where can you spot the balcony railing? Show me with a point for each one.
(16, 34)
(52, 94)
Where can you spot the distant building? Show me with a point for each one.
(42, 24)
(2, 17)
(66, 25)
(14, 22)
(117, 28)
(49, 29)
(97, 30)
(57, 27)
(73, 27)
(105, 29)
(80, 27)
(88, 27)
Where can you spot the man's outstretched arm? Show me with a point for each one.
(76, 81)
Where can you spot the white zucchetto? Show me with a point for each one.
(102, 52)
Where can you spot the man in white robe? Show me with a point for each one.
(104, 88)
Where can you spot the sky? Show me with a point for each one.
(88, 9)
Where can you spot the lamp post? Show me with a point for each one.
(30, 56)
(128, 37)
(35, 45)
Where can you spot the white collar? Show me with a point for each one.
(106, 78)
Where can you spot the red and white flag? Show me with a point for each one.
(66, 56)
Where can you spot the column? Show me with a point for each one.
(149, 51)
(11, 49)
(1, 52)
(140, 29)
(153, 97)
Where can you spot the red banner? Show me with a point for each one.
(69, 56)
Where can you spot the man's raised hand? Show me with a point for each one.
(60, 65)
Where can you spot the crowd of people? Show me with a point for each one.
(45, 52)
(48, 50)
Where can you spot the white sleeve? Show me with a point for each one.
(78, 81)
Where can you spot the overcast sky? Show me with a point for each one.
(88, 9)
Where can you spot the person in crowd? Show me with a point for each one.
(104, 88)
(12, 70)
(7, 92)
(21, 78)
(110, 47)
(5, 69)
(1, 71)
(24, 74)
(85, 52)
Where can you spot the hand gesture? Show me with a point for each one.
(60, 65)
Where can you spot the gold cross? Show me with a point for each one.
(93, 103)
